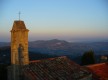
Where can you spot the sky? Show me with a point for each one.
(70, 20)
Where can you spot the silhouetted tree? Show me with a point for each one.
(88, 58)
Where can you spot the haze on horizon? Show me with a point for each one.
(71, 20)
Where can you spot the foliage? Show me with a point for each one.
(88, 58)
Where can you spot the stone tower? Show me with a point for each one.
(19, 38)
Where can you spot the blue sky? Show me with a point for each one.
(71, 20)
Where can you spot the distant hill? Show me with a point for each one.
(2, 44)
(50, 48)
(61, 47)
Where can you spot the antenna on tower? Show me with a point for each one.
(19, 15)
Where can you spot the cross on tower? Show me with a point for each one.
(19, 15)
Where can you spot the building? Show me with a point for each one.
(19, 50)
(99, 71)
(103, 59)
(60, 68)
(19, 38)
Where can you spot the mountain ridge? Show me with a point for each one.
(62, 47)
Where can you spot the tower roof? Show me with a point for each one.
(18, 25)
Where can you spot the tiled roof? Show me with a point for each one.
(100, 70)
(60, 68)
(18, 25)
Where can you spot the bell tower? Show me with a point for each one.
(19, 39)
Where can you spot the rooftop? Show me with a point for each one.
(59, 68)
(100, 70)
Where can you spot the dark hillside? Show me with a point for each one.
(5, 54)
